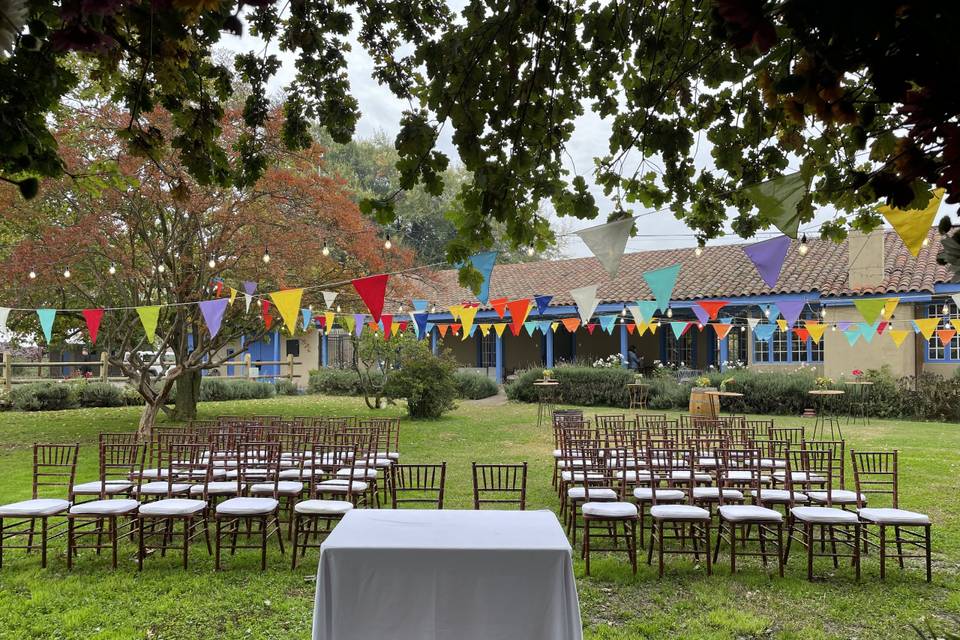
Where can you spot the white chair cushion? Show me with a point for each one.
(685, 476)
(749, 512)
(93, 488)
(393, 455)
(824, 515)
(893, 516)
(666, 495)
(838, 496)
(557, 453)
(340, 486)
(678, 512)
(295, 474)
(247, 507)
(746, 476)
(713, 493)
(323, 507)
(286, 487)
(172, 507)
(374, 462)
(571, 476)
(600, 493)
(773, 463)
(609, 509)
(223, 487)
(249, 473)
(631, 475)
(781, 496)
(361, 472)
(152, 474)
(105, 507)
(32, 508)
(159, 487)
(800, 476)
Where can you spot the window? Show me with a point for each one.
(680, 350)
(935, 348)
(787, 346)
(293, 348)
(488, 350)
(737, 346)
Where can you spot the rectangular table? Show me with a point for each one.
(446, 575)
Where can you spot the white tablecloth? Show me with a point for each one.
(446, 575)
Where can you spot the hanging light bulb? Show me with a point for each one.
(32, 274)
(883, 313)
(531, 251)
(66, 273)
(926, 242)
(766, 312)
(112, 270)
(698, 251)
(161, 268)
(387, 244)
(624, 311)
(310, 307)
(400, 308)
(743, 329)
(823, 312)
(266, 255)
(946, 309)
(433, 309)
(326, 250)
(212, 263)
(804, 247)
(833, 327)
(669, 312)
(338, 308)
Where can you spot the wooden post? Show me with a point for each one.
(104, 366)
(290, 364)
(247, 364)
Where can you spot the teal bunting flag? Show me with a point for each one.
(530, 326)
(852, 336)
(307, 315)
(661, 283)
(647, 309)
(544, 326)
(764, 331)
(607, 322)
(46, 322)
(678, 328)
(482, 262)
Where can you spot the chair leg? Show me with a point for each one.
(633, 546)
(660, 549)
(733, 546)
(70, 543)
(279, 537)
(216, 563)
(706, 542)
(187, 526)
(808, 536)
(43, 543)
(928, 550)
(896, 532)
(263, 544)
(856, 549)
(295, 522)
(33, 527)
(586, 543)
(780, 560)
(883, 552)
(112, 523)
(141, 550)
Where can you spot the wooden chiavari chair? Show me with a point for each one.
(388, 430)
(739, 470)
(54, 468)
(758, 428)
(840, 496)
(153, 481)
(367, 440)
(683, 519)
(646, 420)
(875, 473)
(418, 484)
(808, 470)
(707, 453)
(794, 435)
(559, 426)
(572, 464)
(117, 463)
(309, 514)
(500, 484)
(188, 466)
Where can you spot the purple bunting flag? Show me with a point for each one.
(768, 257)
(213, 311)
(791, 310)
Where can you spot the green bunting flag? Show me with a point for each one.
(148, 318)
(778, 199)
(870, 308)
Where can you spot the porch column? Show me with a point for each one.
(499, 359)
(623, 344)
(434, 347)
(324, 353)
(275, 368)
(549, 350)
(724, 350)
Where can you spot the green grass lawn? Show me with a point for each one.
(241, 602)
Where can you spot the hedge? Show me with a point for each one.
(214, 390)
(583, 386)
(43, 396)
(474, 386)
(334, 382)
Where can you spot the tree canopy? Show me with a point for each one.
(704, 98)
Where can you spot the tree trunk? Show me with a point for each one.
(148, 418)
(188, 394)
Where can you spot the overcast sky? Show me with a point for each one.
(381, 111)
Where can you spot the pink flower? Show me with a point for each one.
(857, 372)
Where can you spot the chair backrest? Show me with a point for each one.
(707, 426)
(809, 470)
(836, 449)
(127, 437)
(567, 415)
(54, 465)
(646, 420)
(189, 463)
(160, 444)
(322, 461)
(258, 463)
(119, 462)
(740, 469)
(674, 466)
(793, 435)
(418, 484)
(500, 484)
(388, 433)
(876, 473)
(758, 428)
(586, 461)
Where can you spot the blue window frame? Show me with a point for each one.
(935, 351)
(680, 350)
(786, 347)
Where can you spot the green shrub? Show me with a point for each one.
(584, 386)
(474, 386)
(132, 397)
(334, 382)
(214, 390)
(43, 396)
(425, 380)
(99, 394)
(286, 388)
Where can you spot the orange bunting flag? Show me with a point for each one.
(571, 324)
(500, 306)
(442, 328)
(898, 335)
(373, 326)
(946, 335)
(815, 329)
(519, 309)
(927, 326)
(631, 328)
(722, 329)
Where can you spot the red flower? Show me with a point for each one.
(857, 372)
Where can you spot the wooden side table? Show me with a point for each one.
(823, 417)
(638, 393)
(546, 399)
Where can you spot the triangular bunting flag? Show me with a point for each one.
(148, 318)
(519, 309)
(92, 316)
(753, 322)
(586, 301)
(287, 303)
(642, 328)
(305, 316)
(955, 323)
(661, 283)
(815, 329)
(647, 309)
(4, 316)
(607, 242)
(349, 322)
(571, 324)
(843, 325)
(420, 322)
(442, 328)
(702, 314)
(419, 304)
(927, 326)
(722, 329)
(387, 321)
(358, 323)
(777, 201)
(870, 308)
(782, 325)
(764, 331)
(913, 225)
(455, 310)
(898, 335)
(543, 303)
(484, 329)
(265, 312)
(768, 257)
(329, 297)
(372, 290)
(791, 310)
(328, 319)
(607, 323)
(212, 312)
(531, 326)
(890, 307)
(483, 262)
(801, 333)
(249, 288)
(233, 295)
(852, 336)
(500, 327)
(46, 322)
(679, 328)
(712, 307)
(467, 315)
(946, 335)
(591, 327)
(631, 327)
(554, 326)
(500, 306)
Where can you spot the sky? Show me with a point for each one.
(381, 111)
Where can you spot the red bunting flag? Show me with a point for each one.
(802, 333)
(93, 317)
(722, 329)
(946, 335)
(713, 307)
(881, 327)
(455, 327)
(403, 326)
(387, 321)
(500, 306)
(631, 328)
(219, 287)
(372, 290)
(518, 314)
(571, 324)
(265, 312)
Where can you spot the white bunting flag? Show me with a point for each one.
(608, 242)
(4, 314)
(328, 298)
(753, 322)
(586, 299)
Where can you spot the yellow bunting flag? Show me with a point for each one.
(913, 225)
(328, 319)
(815, 329)
(782, 324)
(394, 328)
(500, 327)
(467, 314)
(233, 295)
(956, 324)
(288, 304)
(927, 326)
(484, 329)
(149, 317)
(455, 311)
(654, 326)
(898, 335)
(554, 326)
(890, 307)
(642, 328)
